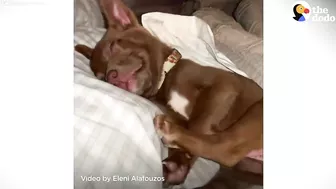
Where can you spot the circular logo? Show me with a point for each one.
(301, 11)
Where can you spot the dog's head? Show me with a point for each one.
(127, 56)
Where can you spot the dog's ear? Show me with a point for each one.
(84, 50)
(118, 15)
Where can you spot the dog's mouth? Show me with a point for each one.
(126, 81)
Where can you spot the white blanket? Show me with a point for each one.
(114, 133)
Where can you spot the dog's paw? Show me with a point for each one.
(174, 173)
(167, 130)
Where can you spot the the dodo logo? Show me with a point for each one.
(302, 11)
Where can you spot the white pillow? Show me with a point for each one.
(87, 13)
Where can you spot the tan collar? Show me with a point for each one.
(172, 59)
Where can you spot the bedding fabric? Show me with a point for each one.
(114, 132)
(243, 48)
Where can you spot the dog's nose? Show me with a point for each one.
(112, 73)
(112, 76)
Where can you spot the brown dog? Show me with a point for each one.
(212, 113)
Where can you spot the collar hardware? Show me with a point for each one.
(170, 62)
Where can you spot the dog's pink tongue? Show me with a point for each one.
(123, 85)
(256, 154)
(120, 84)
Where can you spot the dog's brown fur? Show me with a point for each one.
(224, 119)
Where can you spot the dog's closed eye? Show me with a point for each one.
(115, 47)
(112, 46)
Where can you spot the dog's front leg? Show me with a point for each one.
(226, 148)
(194, 143)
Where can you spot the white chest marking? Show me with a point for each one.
(178, 103)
